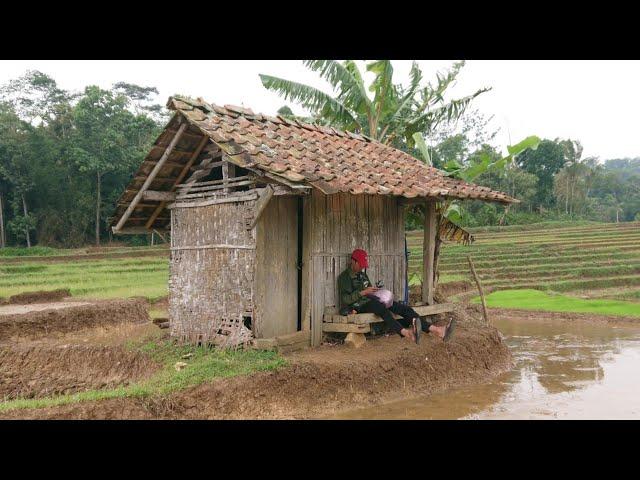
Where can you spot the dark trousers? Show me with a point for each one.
(407, 313)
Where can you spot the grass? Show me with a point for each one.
(103, 278)
(528, 299)
(23, 252)
(204, 365)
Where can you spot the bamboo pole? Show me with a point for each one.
(151, 177)
(480, 289)
(428, 252)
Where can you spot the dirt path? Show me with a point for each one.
(318, 382)
(37, 307)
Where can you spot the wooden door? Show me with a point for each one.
(276, 275)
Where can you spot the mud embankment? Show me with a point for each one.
(319, 382)
(42, 371)
(37, 297)
(57, 321)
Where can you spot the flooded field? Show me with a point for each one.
(563, 370)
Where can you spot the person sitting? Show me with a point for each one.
(355, 291)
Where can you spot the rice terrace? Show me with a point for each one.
(382, 253)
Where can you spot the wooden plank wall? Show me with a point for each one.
(276, 278)
(208, 277)
(340, 223)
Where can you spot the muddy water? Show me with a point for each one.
(563, 370)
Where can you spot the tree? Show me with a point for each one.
(543, 162)
(392, 116)
(100, 143)
(16, 162)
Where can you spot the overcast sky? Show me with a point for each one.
(596, 102)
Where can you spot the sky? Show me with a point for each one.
(595, 102)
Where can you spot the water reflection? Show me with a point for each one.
(562, 370)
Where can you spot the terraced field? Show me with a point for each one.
(119, 273)
(583, 260)
(589, 261)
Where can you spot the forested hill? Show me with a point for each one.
(65, 158)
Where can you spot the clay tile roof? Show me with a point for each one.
(303, 153)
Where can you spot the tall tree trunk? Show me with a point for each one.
(566, 197)
(2, 239)
(24, 209)
(98, 212)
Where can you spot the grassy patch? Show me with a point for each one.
(33, 251)
(104, 278)
(203, 365)
(536, 300)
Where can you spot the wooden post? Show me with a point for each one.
(477, 279)
(151, 177)
(228, 171)
(428, 251)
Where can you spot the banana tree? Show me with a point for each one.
(384, 111)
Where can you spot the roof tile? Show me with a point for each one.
(327, 158)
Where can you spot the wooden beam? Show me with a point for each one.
(151, 176)
(156, 196)
(179, 179)
(428, 252)
(194, 186)
(261, 204)
(135, 231)
(228, 172)
(346, 327)
(214, 201)
(207, 191)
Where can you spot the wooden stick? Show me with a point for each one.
(151, 177)
(428, 252)
(261, 204)
(477, 279)
(177, 181)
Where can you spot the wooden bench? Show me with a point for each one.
(360, 323)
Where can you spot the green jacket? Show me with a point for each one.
(349, 287)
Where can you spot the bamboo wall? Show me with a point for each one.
(334, 226)
(211, 268)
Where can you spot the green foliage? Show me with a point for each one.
(543, 162)
(528, 299)
(66, 157)
(394, 115)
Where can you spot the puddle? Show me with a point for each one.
(562, 371)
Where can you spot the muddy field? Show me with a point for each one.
(53, 320)
(314, 384)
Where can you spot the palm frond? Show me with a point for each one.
(449, 112)
(383, 89)
(312, 99)
(347, 80)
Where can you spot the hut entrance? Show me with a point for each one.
(277, 284)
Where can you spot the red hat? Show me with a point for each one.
(361, 257)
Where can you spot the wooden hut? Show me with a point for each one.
(264, 212)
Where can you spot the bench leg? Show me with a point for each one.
(355, 340)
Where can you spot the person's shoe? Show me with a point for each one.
(417, 329)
